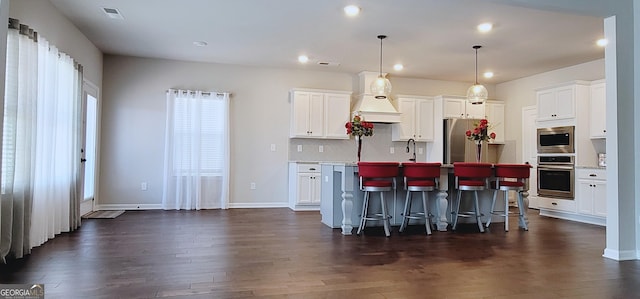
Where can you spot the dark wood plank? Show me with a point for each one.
(275, 253)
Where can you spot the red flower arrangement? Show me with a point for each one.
(480, 132)
(359, 127)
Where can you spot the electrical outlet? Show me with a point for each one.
(143, 186)
(273, 147)
(299, 147)
(420, 150)
(392, 150)
(253, 186)
(321, 149)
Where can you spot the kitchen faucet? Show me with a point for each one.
(414, 149)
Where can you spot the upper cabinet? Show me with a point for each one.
(559, 103)
(417, 119)
(458, 107)
(597, 112)
(495, 116)
(319, 114)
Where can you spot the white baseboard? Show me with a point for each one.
(129, 207)
(601, 221)
(258, 205)
(625, 255)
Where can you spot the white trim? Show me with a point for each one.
(110, 207)
(617, 255)
(305, 208)
(258, 205)
(601, 221)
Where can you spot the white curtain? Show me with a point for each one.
(40, 151)
(196, 164)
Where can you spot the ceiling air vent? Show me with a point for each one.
(328, 63)
(112, 13)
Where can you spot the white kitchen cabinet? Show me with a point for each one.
(304, 186)
(559, 102)
(417, 120)
(337, 114)
(592, 192)
(557, 204)
(458, 107)
(597, 111)
(317, 114)
(495, 116)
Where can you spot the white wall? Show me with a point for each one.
(521, 92)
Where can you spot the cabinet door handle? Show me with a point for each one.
(593, 175)
(312, 168)
(554, 203)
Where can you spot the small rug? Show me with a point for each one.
(104, 214)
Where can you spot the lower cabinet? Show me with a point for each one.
(304, 186)
(592, 192)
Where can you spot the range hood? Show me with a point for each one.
(372, 109)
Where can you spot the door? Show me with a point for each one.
(89, 150)
(530, 151)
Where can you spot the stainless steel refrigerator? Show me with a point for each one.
(457, 148)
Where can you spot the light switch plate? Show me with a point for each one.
(392, 150)
(420, 150)
(273, 147)
(299, 147)
(320, 148)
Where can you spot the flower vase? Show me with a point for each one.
(478, 151)
(359, 143)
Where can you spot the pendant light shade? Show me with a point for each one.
(381, 87)
(477, 94)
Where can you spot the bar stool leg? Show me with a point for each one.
(385, 216)
(406, 212)
(363, 216)
(506, 210)
(478, 215)
(425, 205)
(523, 222)
(455, 214)
(493, 205)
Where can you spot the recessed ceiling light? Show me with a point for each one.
(485, 27)
(200, 43)
(602, 42)
(303, 59)
(488, 75)
(351, 10)
(398, 67)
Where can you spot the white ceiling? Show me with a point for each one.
(432, 38)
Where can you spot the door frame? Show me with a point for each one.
(89, 88)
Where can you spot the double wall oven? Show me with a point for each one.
(556, 167)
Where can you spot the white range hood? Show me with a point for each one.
(372, 109)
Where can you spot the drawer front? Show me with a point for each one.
(557, 204)
(591, 174)
(309, 167)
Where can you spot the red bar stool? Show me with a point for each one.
(470, 177)
(510, 177)
(377, 177)
(419, 177)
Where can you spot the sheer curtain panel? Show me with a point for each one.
(41, 145)
(196, 164)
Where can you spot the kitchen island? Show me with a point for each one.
(341, 199)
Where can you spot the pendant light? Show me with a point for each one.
(477, 94)
(381, 87)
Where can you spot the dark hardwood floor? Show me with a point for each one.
(276, 253)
